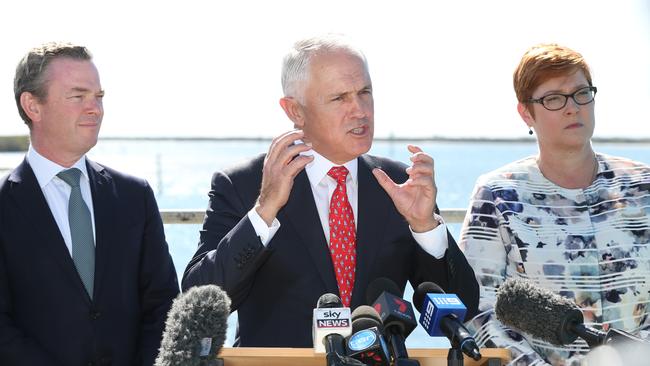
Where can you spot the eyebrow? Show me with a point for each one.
(78, 89)
(577, 87)
(336, 94)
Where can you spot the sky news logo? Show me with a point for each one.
(332, 323)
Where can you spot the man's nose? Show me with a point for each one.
(94, 106)
(359, 107)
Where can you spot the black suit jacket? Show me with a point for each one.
(46, 316)
(275, 288)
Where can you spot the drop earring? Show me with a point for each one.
(530, 131)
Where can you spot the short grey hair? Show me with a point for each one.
(295, 66)
(30, 72)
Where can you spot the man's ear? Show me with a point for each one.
(31, 106)
(293, 110)
(525, 114)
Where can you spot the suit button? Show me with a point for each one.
(94, 315)
(90, 363)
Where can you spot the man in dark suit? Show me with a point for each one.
(316, 214)
(85, 273)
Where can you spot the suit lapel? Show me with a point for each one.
(373, 207)
(301, 211)
(104, 211)
(29, 197)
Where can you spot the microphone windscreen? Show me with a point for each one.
(196, 327)
(329, 300)
(423, 289)
(379, 285)
(365, 317)
(536, 311)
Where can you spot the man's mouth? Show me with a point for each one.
(359, 131)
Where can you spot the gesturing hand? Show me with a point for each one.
(414, 199)
(281, 165)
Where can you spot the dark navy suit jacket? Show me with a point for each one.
(46, 316)
(275, 288)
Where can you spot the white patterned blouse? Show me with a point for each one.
(591, 245)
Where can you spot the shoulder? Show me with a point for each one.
(246, 168)
(507, 180)
(120, 179)
(242, 173)
(614, 166)
(23, 172)
(242, 180)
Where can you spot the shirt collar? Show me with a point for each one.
(45, 170)
(318, 168)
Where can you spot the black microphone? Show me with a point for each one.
(396, 314)
(440, 314)
(196, 328)
(548, 316)
(367, 343)
(332, 324)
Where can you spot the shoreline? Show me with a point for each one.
(20, 143)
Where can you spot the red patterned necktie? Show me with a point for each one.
(343, 236)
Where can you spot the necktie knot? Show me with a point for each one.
(339, 173)
(70, 176)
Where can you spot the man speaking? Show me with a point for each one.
(317, 215)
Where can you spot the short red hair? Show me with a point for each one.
(543, 62)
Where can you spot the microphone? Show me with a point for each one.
(396, 314)
(332, 324)
(441, 314)
(367, 343)
(195, 329)
(548, 316)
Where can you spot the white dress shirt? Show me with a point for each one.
(57, 192)
(433, 242)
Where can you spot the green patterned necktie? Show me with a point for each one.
(81, 230)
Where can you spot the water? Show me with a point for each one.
(180, 174)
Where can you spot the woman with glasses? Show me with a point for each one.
(568, 219)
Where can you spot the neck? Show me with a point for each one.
(569, 169)
(59, 157)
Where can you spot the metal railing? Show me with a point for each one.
(451, 216)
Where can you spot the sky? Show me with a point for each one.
(439, 68)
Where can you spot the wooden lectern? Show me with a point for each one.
(306, 357)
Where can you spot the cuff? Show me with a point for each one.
(434, 241)
(265, 233)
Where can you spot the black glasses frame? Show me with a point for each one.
(593, 89)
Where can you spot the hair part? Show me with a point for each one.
(295, 65)
(31, 70)
(543, 62)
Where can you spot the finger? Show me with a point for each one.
(422, 181)
(384, 181)
(413, 149)
(421, 157)
(280, 143)
(298, 164)
(419, 170)
(291, 152)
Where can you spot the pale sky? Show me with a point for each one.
(443, 68)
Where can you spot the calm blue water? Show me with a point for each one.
(180, 173)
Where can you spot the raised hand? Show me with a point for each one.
(281, 165)
(414, 199)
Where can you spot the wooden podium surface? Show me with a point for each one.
(252, 356)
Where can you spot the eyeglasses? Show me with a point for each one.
(555, 102)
